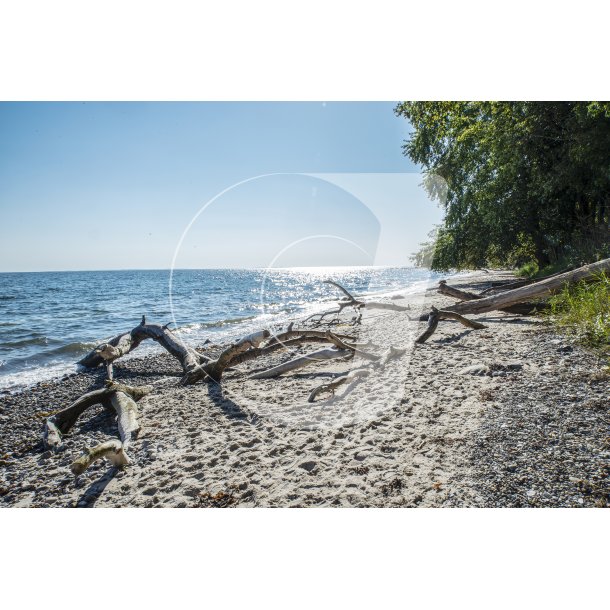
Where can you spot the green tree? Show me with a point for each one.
(524, 179)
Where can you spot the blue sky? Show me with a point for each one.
(115, 185)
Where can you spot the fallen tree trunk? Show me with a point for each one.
(463, 295)
(538, 290)
(107, 353)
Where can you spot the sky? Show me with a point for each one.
(206, 185)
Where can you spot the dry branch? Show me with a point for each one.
(351, 378)
(351, 301)
(302, 361)
(112, 450)
(440, 314)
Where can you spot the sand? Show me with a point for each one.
(511, 415)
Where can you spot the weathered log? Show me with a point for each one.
(463, 295)
(302, 361)
(112, 450)
(456, 293)
(213, 369)
(538, 290)
(61, 422)
(127, 413)
(125, 343)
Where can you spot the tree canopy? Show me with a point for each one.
(525, 181)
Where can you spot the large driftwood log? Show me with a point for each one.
(464, 295)
(213, 369)
(107, 353)
(538, 290)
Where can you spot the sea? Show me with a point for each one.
(49, 320)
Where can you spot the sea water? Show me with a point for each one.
(50, 320)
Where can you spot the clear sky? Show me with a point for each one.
(115, 185)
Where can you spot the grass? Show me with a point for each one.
(582, 310)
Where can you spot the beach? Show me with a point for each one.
(512, 415)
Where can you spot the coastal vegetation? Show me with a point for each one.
(526, 186)
(523, 183)
(583, 311)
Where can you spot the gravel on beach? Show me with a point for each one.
(513, 415)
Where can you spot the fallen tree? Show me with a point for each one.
(464, 295)
(537, 290)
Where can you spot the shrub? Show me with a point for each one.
(583, 311)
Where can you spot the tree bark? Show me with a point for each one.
(541, 289)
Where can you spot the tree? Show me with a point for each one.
(526, 180)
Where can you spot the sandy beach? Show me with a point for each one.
(512, 415)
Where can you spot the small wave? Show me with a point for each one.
(27, 342)
(71, 348)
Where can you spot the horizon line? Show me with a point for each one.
(396, 266)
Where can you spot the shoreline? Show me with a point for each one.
(226, 329)
(526, 431)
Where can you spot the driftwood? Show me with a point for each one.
(127, 413)
(464, 295)
(351, 301)
(61, 422)
(440, 314)
(213, 369)
(351, 378)
(537, 290)
(107, 353)
(302, 361)
(112, 450)
(355, 376)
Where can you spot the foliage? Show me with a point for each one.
(583, 309)
(525, 181)
(424, 256)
